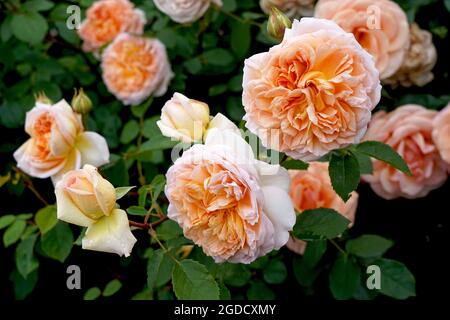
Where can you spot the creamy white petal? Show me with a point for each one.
(110, 234)
(278, 207)
(273, 175)
(93, 149)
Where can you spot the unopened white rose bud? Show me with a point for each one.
(184, 119)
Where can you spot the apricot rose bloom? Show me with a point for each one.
(58, 142)
(312, 93)
(235, 207)
(135, 68)
(185, 11)
(85, 198)
(407, 129)
(380, 26)
(441, 133)
(312, 189)
(106, 19)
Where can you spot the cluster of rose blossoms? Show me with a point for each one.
(311, 94)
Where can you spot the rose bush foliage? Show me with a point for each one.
(160, 71)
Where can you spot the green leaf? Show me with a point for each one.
(6, 220)
(23, 287)
(322, 222)
(92, 293)
(275, 272)
(344, 278)
(112, 287)
(218, 57)
(344, 174)
(385, 153)
(150, 128)
(295, 165)
(38, 5)
(191, 281)
(129, 132)
(30, 27)
(158, 142)
(240, 38)
(13, 233)
(140, 109)
(365, 163)
(137, 211)
(169, 230)
(368, 246)
(157, 186)
(57, 243)
(46, 219)
(313, 252)
(224, 293)
(122, 191)
(396, 280)
(235, 275)
(26, 262)
(447, 4)
(159, 269)
(259, 291)
(24, 216)
(304, 273)
(217, 90)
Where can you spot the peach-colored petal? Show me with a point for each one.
(217, 197)
(135, 68)
(312, 93)
(408, 129)
(380, 26)
(106, 19)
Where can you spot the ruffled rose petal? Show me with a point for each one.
(93, 149)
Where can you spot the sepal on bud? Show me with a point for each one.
(278, 22)
(81, 102)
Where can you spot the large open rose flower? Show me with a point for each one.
(106, 19)
(313, 92)
(441, 133)
(235, 207)
(312, 189)
(85, 198)
(292, 8)
(185, 11)
(407, 129)
(380, 26)
(58, 142)
(135, 68)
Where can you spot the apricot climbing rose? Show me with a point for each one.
(407, 129)
(312, 93)
(135, 68)
(185, 11)
(58, 142)
(105, 19)
(224, 202)
(85, 198)
(312, 189)
(380, 26)
(441, 133)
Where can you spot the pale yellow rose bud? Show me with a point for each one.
(81, 102)
(42, 98)
(83, 196)
(278, 22)
(184, 119)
